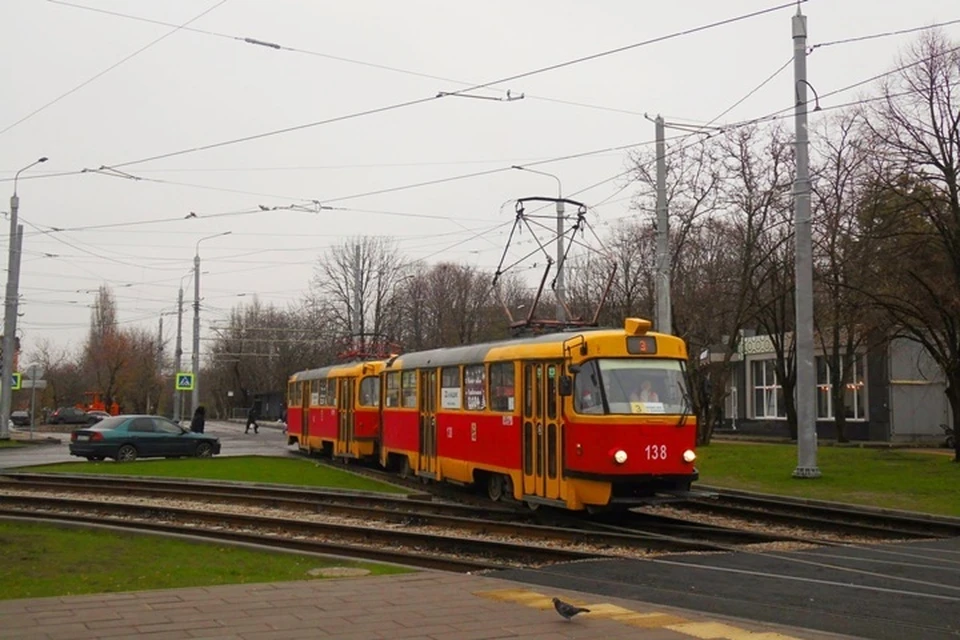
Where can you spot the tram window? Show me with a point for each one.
(552, 391)
(502, 386)
(474, 379)
(528, 390)
(552, 451)
(393, 389)
(527, 448)
(450, 392)
(293, 398)
(408, 388)
(370, 392)
(586, 390)
(328, 392)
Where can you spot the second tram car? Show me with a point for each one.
(581, 419)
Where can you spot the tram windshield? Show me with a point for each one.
(622, 386)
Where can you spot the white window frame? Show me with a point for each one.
(857, 380)
(767, 365)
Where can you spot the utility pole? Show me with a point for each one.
(357, 298)
(663, 234)
(195, 397)
(177, 353)
(806, 373)
(10, 308)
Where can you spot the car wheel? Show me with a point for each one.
(127, 453)
(204, 450)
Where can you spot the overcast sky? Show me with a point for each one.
(189, 89)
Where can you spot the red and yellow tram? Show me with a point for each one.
(335, 410)
(579, 419)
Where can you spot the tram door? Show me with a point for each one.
(304, 389)
(345, 413)
(428, 423)
(542, 430)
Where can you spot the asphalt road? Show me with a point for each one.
(233, 442)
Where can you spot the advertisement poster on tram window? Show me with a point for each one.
(473, 381)
(450, 398)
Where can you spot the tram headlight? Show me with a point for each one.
(620, 456)
(689, 455)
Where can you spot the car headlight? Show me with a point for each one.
(620, 456)
(689, 455)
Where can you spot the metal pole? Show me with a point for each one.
(806, 373)
(195, 395)
(178, 352)
(357, 298)
(33, 396)
(663, 235)
(10, 308)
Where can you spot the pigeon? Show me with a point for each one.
(567, 610)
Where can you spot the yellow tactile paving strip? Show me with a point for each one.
(646, 620)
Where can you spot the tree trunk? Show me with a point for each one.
(953, 395)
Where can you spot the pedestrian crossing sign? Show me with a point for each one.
(15, 382)
(184, 382)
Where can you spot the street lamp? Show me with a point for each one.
(561, 316)
(10, 306)
(195, 398)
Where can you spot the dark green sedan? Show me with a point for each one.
(129, 437)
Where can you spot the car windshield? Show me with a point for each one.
(619, 386)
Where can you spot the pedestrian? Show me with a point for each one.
(252, 416)
(199, 417)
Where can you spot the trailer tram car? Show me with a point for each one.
(335, 410)
(579, 420)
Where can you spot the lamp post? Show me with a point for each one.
(561, 315)
(195, 398)
(10, 306)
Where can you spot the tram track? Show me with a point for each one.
(838, 518)
(392, 514)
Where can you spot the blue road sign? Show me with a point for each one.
(17, 378)
(184, 382)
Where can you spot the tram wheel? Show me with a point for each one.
(403, 467)
(495, 486)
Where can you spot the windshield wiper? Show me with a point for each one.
(687, 404)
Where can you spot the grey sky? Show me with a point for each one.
(193, 89)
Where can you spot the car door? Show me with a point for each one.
(145, 438)
(172, 439)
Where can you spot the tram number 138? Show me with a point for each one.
(656, 451)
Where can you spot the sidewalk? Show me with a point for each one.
(430, 605)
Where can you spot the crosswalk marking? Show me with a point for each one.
(645, 620)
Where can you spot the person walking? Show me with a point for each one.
(252, 416)
(199, 418)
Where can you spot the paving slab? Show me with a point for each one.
(429, 605)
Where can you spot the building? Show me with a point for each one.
(895, 394)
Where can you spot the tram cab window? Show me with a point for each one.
(587, 397)
(632, 386)
(370, 392)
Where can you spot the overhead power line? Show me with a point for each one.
(483, 85)
(176, 28)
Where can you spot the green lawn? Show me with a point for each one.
(10, 444)
(240, 468)
(39, 560)
(892, 478)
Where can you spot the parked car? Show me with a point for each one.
(68, 415)
(96, 416)
(20, 418)
(128, 437)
